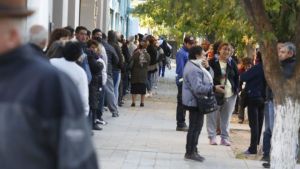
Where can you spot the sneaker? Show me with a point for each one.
(115, 115)
(184, 128)
(212, 141)
(96, 127)
(247, 152)
(195, 157)
(225, 142)
(101, 121)
(142, 105)
(132, 104)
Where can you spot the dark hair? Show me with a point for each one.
(104, 37)
(196, 50)
(72, 51)
(216, 46)
(92, 42)
(79, 28)
(88, 33)
(96, 31)
(69, 28)
(258, 58)
(56, 34)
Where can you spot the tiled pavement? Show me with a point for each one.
(145, 138)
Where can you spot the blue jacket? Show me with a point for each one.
(255, 82)
(195, 84)
(181, 59)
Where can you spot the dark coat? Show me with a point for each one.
(255, 82)
(112, 57)
(231, 73)
(43, 124)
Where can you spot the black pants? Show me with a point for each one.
(196, 123)
(180, 112)
(242, 104)
(256, 118)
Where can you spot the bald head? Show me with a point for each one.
(38, 36)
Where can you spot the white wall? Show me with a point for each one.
(42, 12)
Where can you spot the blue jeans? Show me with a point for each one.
(150, 81)
(162, 69)
(116, 79)
(269, 123)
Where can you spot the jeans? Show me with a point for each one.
(256, 118)
(269, 123)
(117, 80)
(162, 69)
(180, 112)
(149, 81)
(225, 111)
(110, 96)
(196, 122)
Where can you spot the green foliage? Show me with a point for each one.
(215, 19)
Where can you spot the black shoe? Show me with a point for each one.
(184, 128)
(132, 104)
(100, 121)
(266, 165)
(115, 115)
(194, 156)
(142, 105)
(96, 127)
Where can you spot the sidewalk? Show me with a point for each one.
(145, 138)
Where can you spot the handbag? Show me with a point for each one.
(207, 104)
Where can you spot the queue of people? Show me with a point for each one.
(206, 68)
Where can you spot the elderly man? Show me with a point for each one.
(38, 38)
(43, 125)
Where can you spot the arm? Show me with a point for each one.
(196, 84)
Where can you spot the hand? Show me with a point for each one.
(205, 63)
(220, 88)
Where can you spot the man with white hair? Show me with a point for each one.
(42, 121)
(38, 38)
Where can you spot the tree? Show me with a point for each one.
(214, 19)
(280, 20)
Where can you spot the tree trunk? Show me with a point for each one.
(285, 135)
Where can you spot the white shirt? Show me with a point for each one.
(79, 77)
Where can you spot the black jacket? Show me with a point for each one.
(112, 57)
(43, 125)
(231, 73)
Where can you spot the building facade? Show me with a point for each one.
(104, 14)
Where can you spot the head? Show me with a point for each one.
(96, 34)
(69, 28)
(59, 34)
(131, 39)
(196, 52)
(279, 45)
(112, 37)
(38, 35)
(189, 42)
(224, 51)
(13, 15)
(205, 45)
(152, 40)
(246, 62)
(88, 35)
(72, 51)
(288, 50)
(258, 58)
(81, 33)
(93, 45)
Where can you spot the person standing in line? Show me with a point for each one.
(139, 70)
(225, 73)
(197, 81)
(42, 115)
(181, 59)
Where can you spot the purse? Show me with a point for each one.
(207, 104)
